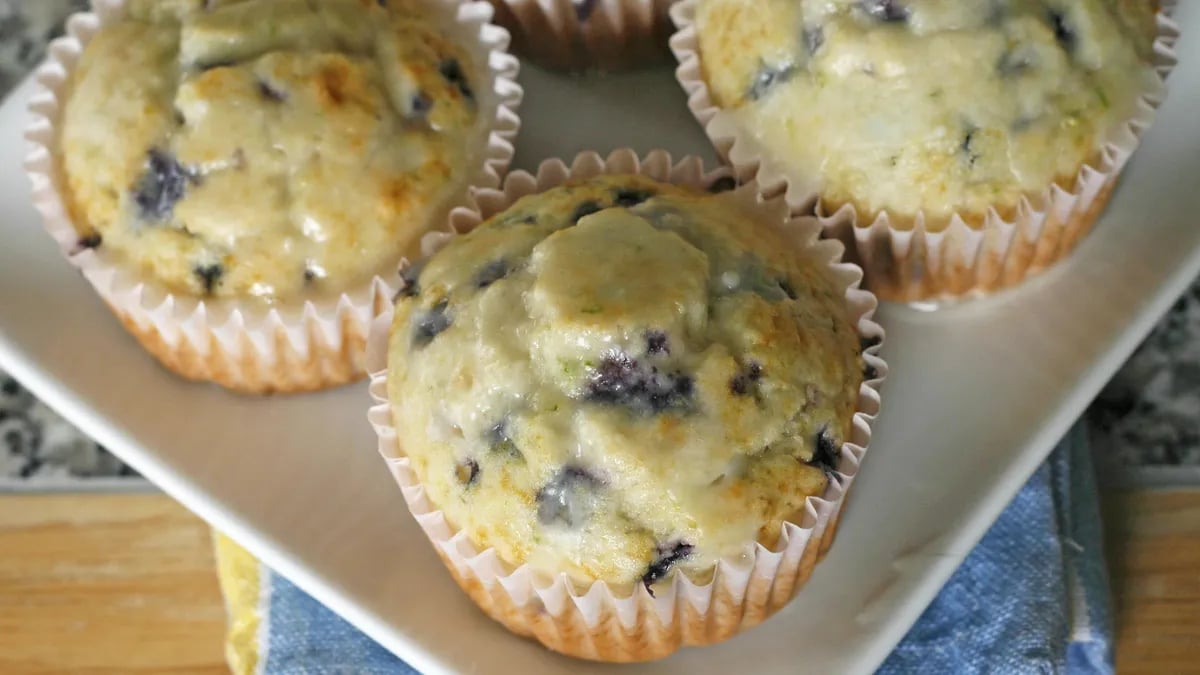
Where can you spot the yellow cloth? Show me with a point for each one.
(241, 576)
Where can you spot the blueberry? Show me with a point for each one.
(501, 443)
(452, 71)
(786, 287)
(408, 283)
(90, 240)
(885, 10)
(210, 276)
(270, 92)
(627, 197)
(826, 453)
(161, 186)
(657, 343)
(584, 209)
(616, 377)
(869, 341)
(491, 273)
(420, 104)
(665, 557)
(466, 471)
(747, 377)
(10, 387)
(567, 498)
(430, 325)
(1062, 32)
(584, 9)
(722, 184)
(870, 372)
(670, 391)
(313, 271)
(620, 380)
(814, 37)
(767, 78)
(965, 147)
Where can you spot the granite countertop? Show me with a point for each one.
(1148, 415)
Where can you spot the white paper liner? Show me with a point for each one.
(245, 345)
(598, 621)
(606, 35)
(921, 260)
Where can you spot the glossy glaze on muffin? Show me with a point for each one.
(618, 377)
(925, 105)
(268, 148)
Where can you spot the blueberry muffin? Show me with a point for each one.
(618, 378)
(924, 106)
(583, 35)
(272, 150)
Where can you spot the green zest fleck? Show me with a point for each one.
(592, 309)
(1102, 96)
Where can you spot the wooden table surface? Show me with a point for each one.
(101, 584)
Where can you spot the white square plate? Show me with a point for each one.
(977, 396)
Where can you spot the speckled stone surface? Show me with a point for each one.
(37, 447)
(1148, 415)
(26, 26)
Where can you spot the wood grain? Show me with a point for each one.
(119, 583)
(106, 584)
(1153, 549)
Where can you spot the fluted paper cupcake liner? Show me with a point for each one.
(934, 259)
(599, 621)
(588, 34)
(243, 344)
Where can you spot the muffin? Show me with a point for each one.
(926, 117)
(671, 403)
(578, 35)
(267, 157)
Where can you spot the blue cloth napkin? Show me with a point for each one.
(1032, 597)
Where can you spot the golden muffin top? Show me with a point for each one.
(266, 148)
(937, 106)
(618, 377)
